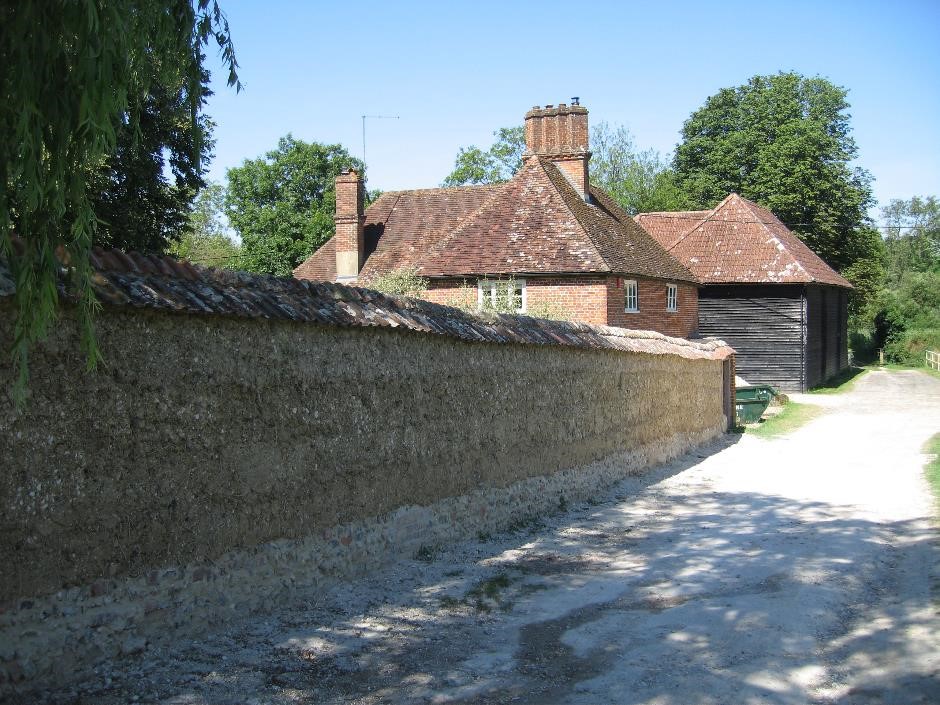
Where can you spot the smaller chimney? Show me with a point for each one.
(350, 221)
(561, 136)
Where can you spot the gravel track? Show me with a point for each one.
(803, 569)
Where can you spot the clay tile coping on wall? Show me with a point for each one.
(164, 283)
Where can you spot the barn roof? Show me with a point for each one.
(738, 242)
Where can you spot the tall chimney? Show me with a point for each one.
(350, 220)
(561, 135)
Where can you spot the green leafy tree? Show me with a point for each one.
(282, 204)
(493, 166)
(71, 72)
(912, 239)
(143, 192)
(205, 240)
(783, 141)
(639, 180)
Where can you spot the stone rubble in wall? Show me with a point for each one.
(80, 629)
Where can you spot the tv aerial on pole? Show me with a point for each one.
(372, 117)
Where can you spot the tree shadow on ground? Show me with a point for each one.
(726, 597)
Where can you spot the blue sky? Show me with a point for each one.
(456, 71)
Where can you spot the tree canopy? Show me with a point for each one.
(205, 239)
(785, 142)
(143, 192)
(73, 73)
(912, 238)
(638, 180)
(282, 204)
(492, 166)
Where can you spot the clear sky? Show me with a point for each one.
(456, 71)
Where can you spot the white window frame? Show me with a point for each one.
(491, 287)
(672, 298)
(631, 295)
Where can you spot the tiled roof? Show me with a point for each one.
(535, 223)
(163, 283)
(739, 242)
(398, 226)
(667, 228)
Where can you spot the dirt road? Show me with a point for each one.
(796, 570)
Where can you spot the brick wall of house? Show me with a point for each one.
(593, 299)
(683, 323)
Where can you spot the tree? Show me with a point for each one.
(640, 181)
(71, 72)
(783, 141)
(205, 240)
(495, 165)
(282, 204)
(912, 239)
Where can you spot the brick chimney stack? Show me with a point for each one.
(350, 221)
(561, 136)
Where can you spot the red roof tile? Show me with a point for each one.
(535, 223)
(739, 242)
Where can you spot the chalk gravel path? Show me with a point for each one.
(798, 570)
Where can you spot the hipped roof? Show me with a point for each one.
(738, 242)
(535, 223)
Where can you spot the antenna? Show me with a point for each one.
(372, 117)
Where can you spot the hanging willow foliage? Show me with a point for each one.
(72, 72)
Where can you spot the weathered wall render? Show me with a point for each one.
(151, 488)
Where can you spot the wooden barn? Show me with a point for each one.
(763, 291)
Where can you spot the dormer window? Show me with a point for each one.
(631, 297)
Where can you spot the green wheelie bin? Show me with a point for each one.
(751, 401)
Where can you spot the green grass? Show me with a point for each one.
(842, 382)
(791, 418)
(932, 469)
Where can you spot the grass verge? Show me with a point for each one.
(791, 418)
(841, 382)
(932, 469)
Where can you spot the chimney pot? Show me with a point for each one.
(561, 136)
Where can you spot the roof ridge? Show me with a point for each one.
(442, 242)
(434, 189)
(750, 205)
(611, 201)
(542, 163)
(702, 222)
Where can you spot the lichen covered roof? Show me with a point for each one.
(739, 242)
(165, 284)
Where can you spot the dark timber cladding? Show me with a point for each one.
(764, 324)
(792, 337)
(826, 344)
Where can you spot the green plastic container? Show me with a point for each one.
(751, 402)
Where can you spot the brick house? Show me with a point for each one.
(763, 291)
(548, 232)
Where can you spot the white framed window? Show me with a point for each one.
(631, 296)
(672, 297)
(501, 296)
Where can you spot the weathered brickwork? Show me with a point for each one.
(594, 299)
(681, 323)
